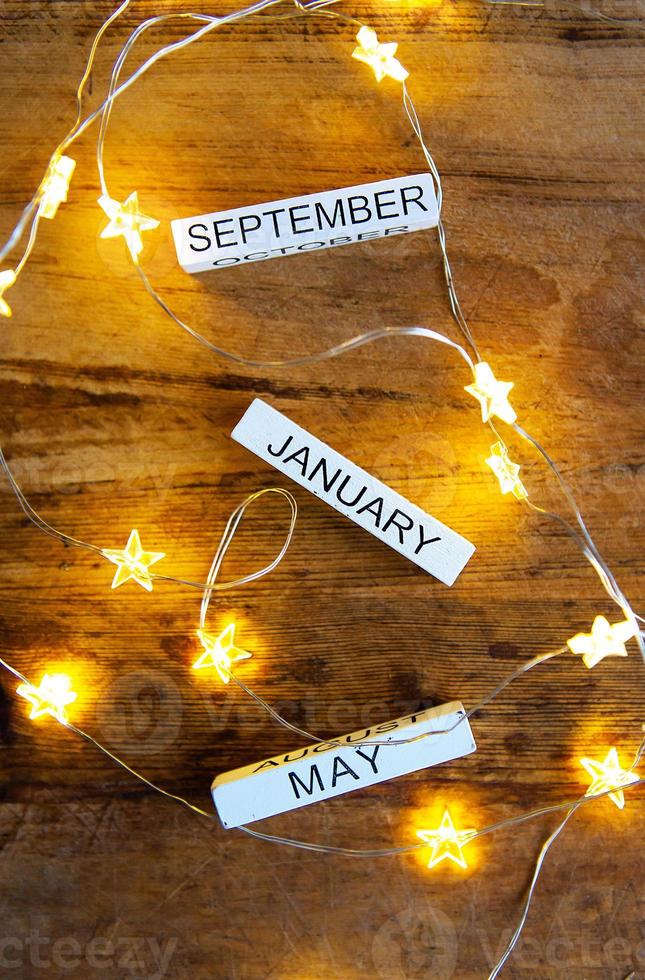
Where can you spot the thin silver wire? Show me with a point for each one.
(30, 209)
(79, 731)
(79, 128)
(209, 23)
(328, 848)
(499, 966)
(413, 118)
(587, 545)
(455, 306)
(35, 518)
(227, 537)
(210, 586)
(590, 550)
(538, 867)
(315, 7)
(466, 716)
(405, 849)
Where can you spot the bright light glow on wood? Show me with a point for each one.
(447, 842)
(608, 775)
(220, 652)
(127, 220)
(380, 57)
(56, 185)
(604, 640)
(492, 394)
(50, 698)
(133, 562)
(7, 278)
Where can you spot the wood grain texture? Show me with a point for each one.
(114, 419)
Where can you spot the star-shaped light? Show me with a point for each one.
(133, 562)
(127, 220)
(604, 640)
(609, 775)
(506, 471)
(492, 394)
(220, 652)
(380, 57)
(7, 278)
(447, 842)
(50, 698)
(56, 185)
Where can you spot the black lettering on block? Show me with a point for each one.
(295, 779)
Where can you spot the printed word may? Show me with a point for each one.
(326, 769)
(304, 224)
(353, 492)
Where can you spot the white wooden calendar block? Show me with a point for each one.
(327, 769)
(353, 492)
(305, 224)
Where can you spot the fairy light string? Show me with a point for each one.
(128, 220)
(447, 841)
(53, 694)
(309, 845)
(483, 375)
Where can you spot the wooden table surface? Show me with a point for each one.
(113, 418)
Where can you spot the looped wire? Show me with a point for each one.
(227, 537)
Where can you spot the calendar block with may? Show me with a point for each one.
(347, 763)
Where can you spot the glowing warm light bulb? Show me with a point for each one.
(50, 698)
(133, 562)
(380, 57)
(56, 185)
(447, 842)
(7, 278)
(127, 220)
(604, 640)
(609, 775)
(492, 394)
(220, 652)
(506, 471)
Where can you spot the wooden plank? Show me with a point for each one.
(114, 419)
